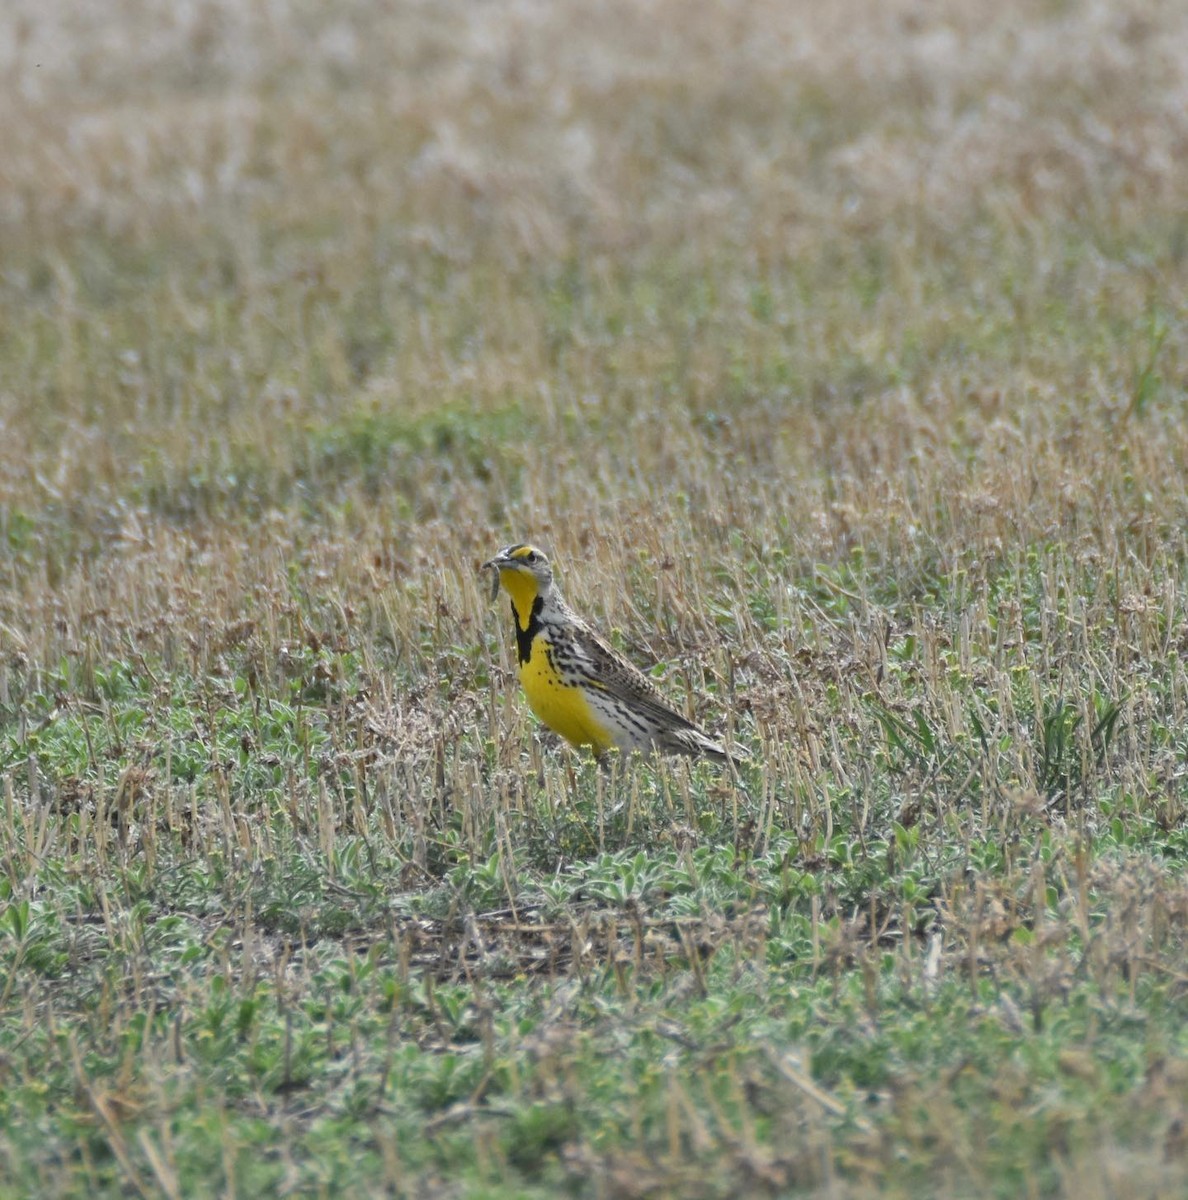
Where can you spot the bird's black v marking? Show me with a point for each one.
(526, 633)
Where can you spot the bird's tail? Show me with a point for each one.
(698, 745)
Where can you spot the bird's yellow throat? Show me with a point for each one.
(523, 590)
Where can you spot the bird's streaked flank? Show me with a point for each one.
(575, 683)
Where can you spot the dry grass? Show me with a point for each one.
(838, 353)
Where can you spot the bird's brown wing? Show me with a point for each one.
(580, 651)
(624, 681)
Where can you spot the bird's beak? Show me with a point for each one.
(493, 565)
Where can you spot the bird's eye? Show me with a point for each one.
(532, 556)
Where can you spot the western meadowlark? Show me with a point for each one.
(575, 683)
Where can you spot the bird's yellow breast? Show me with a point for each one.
(562, 707)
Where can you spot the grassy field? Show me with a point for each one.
(839, 355)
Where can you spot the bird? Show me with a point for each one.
(575, 683)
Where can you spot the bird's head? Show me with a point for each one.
(524, 573)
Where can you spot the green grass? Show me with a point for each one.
(837, 355)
